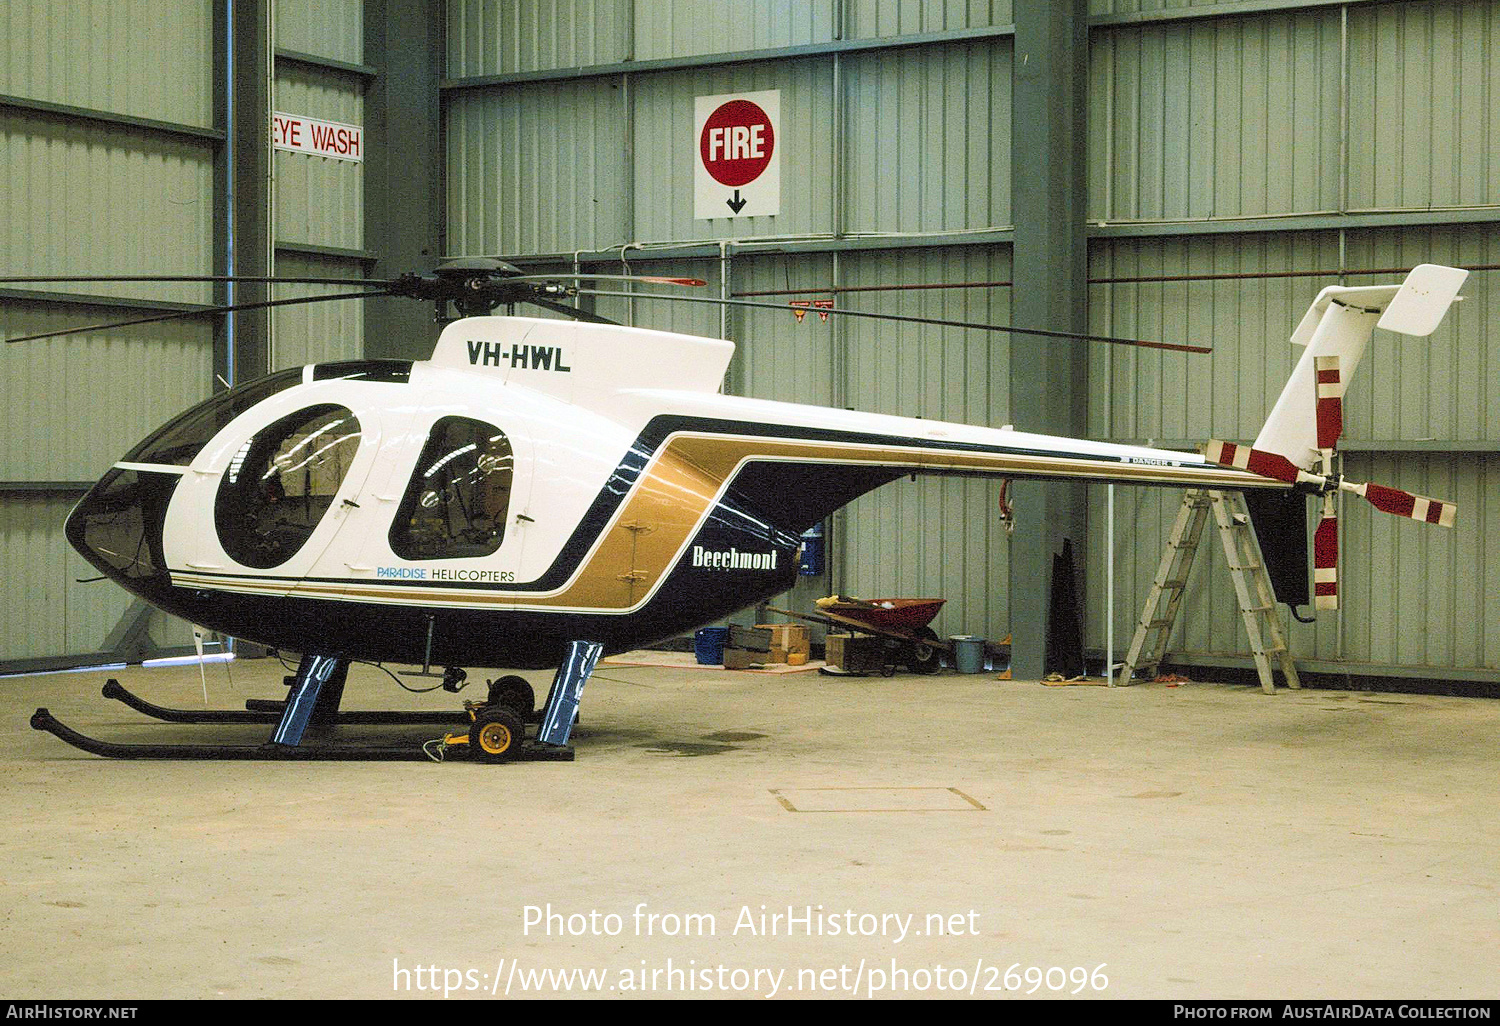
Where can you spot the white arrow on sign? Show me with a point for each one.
(737, 155)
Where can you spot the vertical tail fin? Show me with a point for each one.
(1338, 324)
(1305, 424)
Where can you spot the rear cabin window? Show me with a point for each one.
(456, 504)
(282, 481)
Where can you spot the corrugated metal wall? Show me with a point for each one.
(317, 332)
(1424, 131)
(85, 194)
(678, 29)
(594, 162)
(929, 141)
(1243, 117)
(146, 58)
(522, 179)
(538, 167)
(497, 37)
(319, 202)
(1217, 117)
(334, 29)
(108, 144)
(910, 538)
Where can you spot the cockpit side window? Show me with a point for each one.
(459, 495)
(282, 481)
(181, 438)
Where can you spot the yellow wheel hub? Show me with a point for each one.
(494, 738)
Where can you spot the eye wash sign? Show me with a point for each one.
(298, 134)
(736, 155)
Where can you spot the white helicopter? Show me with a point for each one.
(541, 492)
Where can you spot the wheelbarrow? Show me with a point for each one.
(901, 622)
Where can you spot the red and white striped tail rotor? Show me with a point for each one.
(1330, 427)
(1404, 504)
(1330, 410)
(1330, 424)
(1256, 461)
(1326, 559)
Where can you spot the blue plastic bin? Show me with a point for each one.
(708, 645)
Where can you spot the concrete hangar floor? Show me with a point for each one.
(1204, 840)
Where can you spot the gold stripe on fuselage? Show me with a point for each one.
(675, 493)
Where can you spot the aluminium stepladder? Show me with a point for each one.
(1252, 587)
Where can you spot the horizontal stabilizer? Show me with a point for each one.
(1307, 417)
(1424, 297)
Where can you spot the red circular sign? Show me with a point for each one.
(736, 143)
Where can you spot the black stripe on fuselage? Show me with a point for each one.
(637, 457)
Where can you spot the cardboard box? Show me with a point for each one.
(789, 637)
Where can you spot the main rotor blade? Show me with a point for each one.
(911, 320)
(228, 278)
(208, 310)
(650, 279)
(571, 311)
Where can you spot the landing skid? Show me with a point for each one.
(316, 691)
(268, 711)
(43, 720)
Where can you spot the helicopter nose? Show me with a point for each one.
(117, 527)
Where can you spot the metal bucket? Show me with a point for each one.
(968, 653)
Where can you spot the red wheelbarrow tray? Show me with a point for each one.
(888, 617)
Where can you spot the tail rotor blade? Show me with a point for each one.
(1326, 561)
(1405, 504)
(1330, 409)
(1256, 461)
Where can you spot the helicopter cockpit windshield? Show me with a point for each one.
(176, 442)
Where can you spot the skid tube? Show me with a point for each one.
(267, 711)
(316, 691)
(271, 751)
(44, 720)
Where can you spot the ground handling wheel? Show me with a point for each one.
(513, 693)
(496, 734)
(922, 656)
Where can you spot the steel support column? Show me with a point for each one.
(404, 202)
(1048, 383)
(250, 163)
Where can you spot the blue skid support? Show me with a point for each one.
(562, 700)
(312, 673)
